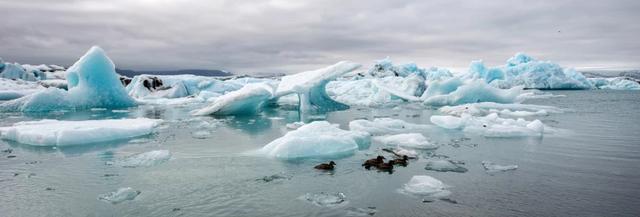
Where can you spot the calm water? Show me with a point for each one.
(592, 169)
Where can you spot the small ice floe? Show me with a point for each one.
(490, 125)
(444, 166)
(408, 140)
(140, 141)
(318, 139)
(119, 195)
(201, 134)
(385, 126)
(274, 177)
(294, 125)
(399, 152)
(425, 186)
(65, 133)
(324, 199)
(491, 167)
(354, 211)
(511, 109)
(145, 159)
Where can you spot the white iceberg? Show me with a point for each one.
(386, 126)
(146, 159)
(408, 140)
(65, 133)
(15, 71)
(617, 83)
(423, 185)
(318, 139)
(511, 109)
(92, 83)
(490, 125)
(310, 86)
(247, 100)
(120, 195)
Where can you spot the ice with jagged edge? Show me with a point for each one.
(523, 70)
(386, 126)
(247, 100)
(617, 83)
(145, 159)
(491, 125)
(67, 133)
(318, 139)
(92, 83)
(455, 92)
(120, 195)
(407, 140)
(310, 86)
(425, 186)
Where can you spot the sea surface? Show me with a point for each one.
(591, 167)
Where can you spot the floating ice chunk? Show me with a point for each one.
(423, 185)
(476, 91)
(401, 151)
(492, 167)
(15, 71)
(530, 73)
(490, 125)
(442, 87)
(120, 195)
(201, 134)
(64, 133)
(318, 139)
(295, 125)
(310, 86)
(409, 140)
(364, 92)
(13, 89)
(92, 82)
(57, 83)
(325, 199)
(444, 166)
(145, 159)
(385, 126)
(409, 89)
(248, 100)
(513, 110)
(617, 83)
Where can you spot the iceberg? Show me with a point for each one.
(145, 159)
(318, 139)
(92, 83)
(474, 92)
(310, 86)
(523, 70)
(617, 83)
(407, 140)
(176, 86)
(120, 195)
(386, 126)
(444, 166)
(247, 100)
(15, 71)
(66, 133)
(490, 125)
(423, 185)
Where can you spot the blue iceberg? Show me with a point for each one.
(92, 83)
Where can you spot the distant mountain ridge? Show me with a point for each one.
(200, 72)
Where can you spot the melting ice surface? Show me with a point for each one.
(65, 133)
(198, 165)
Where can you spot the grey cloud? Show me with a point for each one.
(288, 36)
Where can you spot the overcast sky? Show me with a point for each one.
(289, 36)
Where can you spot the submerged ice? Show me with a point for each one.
(120, 195)
(423, 185)
(145, 159)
